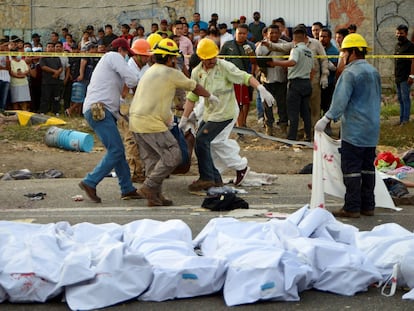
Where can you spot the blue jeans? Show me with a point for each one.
(107, 132)
(4, 91)
(207, 131)
(357, 165)
(403, 92)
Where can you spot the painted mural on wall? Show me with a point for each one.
(77, 14)
(388, 15)
(345, 12)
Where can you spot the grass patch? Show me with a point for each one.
(37, 133)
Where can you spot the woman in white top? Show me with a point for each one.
(19, 84)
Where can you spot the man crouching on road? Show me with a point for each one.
(151, 117)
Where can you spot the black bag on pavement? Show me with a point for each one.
(224, 202)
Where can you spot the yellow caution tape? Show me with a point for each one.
(48, 54)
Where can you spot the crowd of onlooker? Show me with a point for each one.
(46, 84)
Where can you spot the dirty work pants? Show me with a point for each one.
(226, 151)
(160, 153)
(131, 149)
(357, 164)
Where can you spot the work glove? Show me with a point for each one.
(266, 96)
(321, 124)
(183, 123)
(248, 49)
(214, 100)
(324, 82)
(192, 118)
(331, 66)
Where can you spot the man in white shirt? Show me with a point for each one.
(224, 34)
(101, 110)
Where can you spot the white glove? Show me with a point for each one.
(248, 49)
(192, 118)
(331, 66)
(214, 100)
(183, 123)
(321, 124)
(324, 82)
(266, 96)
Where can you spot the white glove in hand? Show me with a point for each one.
(266, 96)
(192, 118)
(331, 66)
(321, 124)
(248, 49)
(324, 82)
(213, 100)
(183, 123)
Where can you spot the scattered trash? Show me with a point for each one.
(77, 198)
(35, 196)
(27, 174)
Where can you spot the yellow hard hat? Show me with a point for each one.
(354, 40)
(141, 47)
(207, 49)
(153, 39)
(166, 47)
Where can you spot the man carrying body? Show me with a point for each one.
(101, 110)
(139, 65)
(150, 118)
(217, 76)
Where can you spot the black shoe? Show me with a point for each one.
(241, 175)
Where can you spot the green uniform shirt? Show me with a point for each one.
(219, 81)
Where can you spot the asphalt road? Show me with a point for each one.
(286, 195)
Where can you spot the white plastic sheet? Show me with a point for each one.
(178, 271)
(101, 265)
(38, 260)
(388, 245)
(327, 174)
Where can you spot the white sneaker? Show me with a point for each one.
(260, 121)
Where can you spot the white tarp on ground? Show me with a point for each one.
(178, 271)
(101, 265)
(327, 174)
